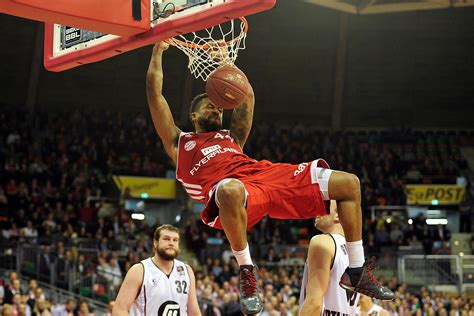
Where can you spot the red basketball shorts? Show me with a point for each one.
(282, 191)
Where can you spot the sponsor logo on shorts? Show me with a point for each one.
(300, 169)
(189, 145)
(208, 150)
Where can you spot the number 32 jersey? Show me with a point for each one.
(161, 294)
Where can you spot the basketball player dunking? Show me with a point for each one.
(327, 260)
(238, 191)
(160, 285)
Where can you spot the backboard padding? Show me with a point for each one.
(179, 23)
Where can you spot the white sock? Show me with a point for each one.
(243, 256)
(355, 251)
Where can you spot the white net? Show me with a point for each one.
(211, 48)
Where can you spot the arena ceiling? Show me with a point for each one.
(382, 70)
(389, 6)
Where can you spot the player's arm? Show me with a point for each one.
(320, 255)
(384, 312)
(242, 118)
(159, 108)
(129, 290)
(193, 306)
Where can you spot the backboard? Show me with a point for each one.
(67, 47)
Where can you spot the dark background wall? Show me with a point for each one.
(414, 69)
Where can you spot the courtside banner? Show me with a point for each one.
(435, 193)
(145, 187)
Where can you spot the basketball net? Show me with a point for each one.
(213, 47)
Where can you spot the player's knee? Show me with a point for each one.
(231, 191)
(353, 183)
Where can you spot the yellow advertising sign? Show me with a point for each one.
(442, 193)
(145, 187)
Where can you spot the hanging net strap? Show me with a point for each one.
(211, 48)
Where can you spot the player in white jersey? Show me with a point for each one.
(326, 263)
(160, 285)
(368, 308)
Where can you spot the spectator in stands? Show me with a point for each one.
(381, 235)
(49, 222)
(231, 305)
(114, 273)
(41, 308)
(7, 310)
(12, 233)
(30, 232)
(16, 301)
(445, 249)
(442, 233)
(32, 286)
(70, 306)
(426, 236)
(39, 296)
(24, 310)
(103, 268)
(104, 244)
(66, 309)
(45, 263)
(396, 235)
(84, 309)
(12, 289)
(393, 283)
(271, 256)
(413, 175)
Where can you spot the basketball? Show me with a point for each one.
(227, 87)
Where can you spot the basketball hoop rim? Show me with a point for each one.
(177, 42)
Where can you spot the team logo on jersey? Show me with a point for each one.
(169, 308)
(189, 145)
(180, 270)
(208, 150)
(154, 281)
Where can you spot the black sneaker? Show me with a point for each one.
(250, 302)
(362, 280)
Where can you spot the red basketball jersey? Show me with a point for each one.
(206, 158)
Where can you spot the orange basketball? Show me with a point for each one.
(227, 87)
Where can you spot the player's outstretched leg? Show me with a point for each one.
(345, 189)
(230, 197)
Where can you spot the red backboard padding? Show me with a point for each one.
(168, 28)
(105, 16)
